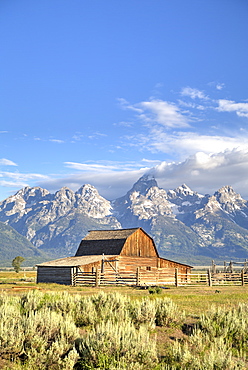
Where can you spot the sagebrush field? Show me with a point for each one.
(49, 326)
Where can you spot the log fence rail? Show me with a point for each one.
(148, 278)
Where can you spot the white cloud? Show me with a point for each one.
(162, 121)
(203, 161)
(57, 141)
(164, 113)
(156, 111)
(217, 85)
(13, 184)
(203, 172)
(187, 104)
(7, 162)
(110, 184)
(78, 136)
(89, 167)
(182, 144)
(96, 135)
(105, 166)
(241, 109)
(124, 124)
(206, 173)
(151, 161)
(193, 93)
(23, 176)
(220, 86)
(126, 105)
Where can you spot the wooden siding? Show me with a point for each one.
(130, 264)
(139, 244)
(127, 263)
(107, 264)
(59, 275)
(163, 263)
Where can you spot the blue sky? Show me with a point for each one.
(102, 92)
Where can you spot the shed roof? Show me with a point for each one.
(109, 242)
(73, 261)
(179, 263)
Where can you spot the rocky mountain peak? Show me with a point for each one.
(63, 201)
(87, 191)
(91, 202)
(144, 184)
(64, 194)
(23, 200)
(182, 190)
(35, 192)
(226, 193)
(229, 200)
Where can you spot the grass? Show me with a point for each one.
(193, 300)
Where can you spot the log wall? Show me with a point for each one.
(59, 275)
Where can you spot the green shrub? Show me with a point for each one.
(62, 302)
(101, 307)
(167, 313)
(142, 312)
(38, 331)
(155, 290)
(109, 345)
(11, 333)
(219, 342)
(42, 339)
(229, 324)
(201, 353)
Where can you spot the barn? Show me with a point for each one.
(122, 256)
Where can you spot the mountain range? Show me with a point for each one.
(185, 225)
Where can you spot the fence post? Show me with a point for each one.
(73, 276)
(242, 277)
(176, 277)
(97, 278)
(209, 278)
(138, 276)
(224, 266)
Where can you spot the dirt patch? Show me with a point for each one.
(166, 336)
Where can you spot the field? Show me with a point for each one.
(50, 326)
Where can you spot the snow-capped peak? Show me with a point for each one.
(144, 184)
(229, 200)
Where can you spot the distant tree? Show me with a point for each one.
(16, 263)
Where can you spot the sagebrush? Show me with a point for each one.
(62, 331)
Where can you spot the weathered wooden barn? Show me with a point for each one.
(125, 256)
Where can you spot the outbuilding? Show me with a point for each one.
(121, 256)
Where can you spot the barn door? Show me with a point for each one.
(110, 265)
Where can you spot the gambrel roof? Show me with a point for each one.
(109, 242)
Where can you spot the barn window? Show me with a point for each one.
(149, 268)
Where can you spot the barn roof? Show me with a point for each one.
(109, 242)
(98, 244)
(72, 261)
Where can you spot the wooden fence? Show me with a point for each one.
(160, 277)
